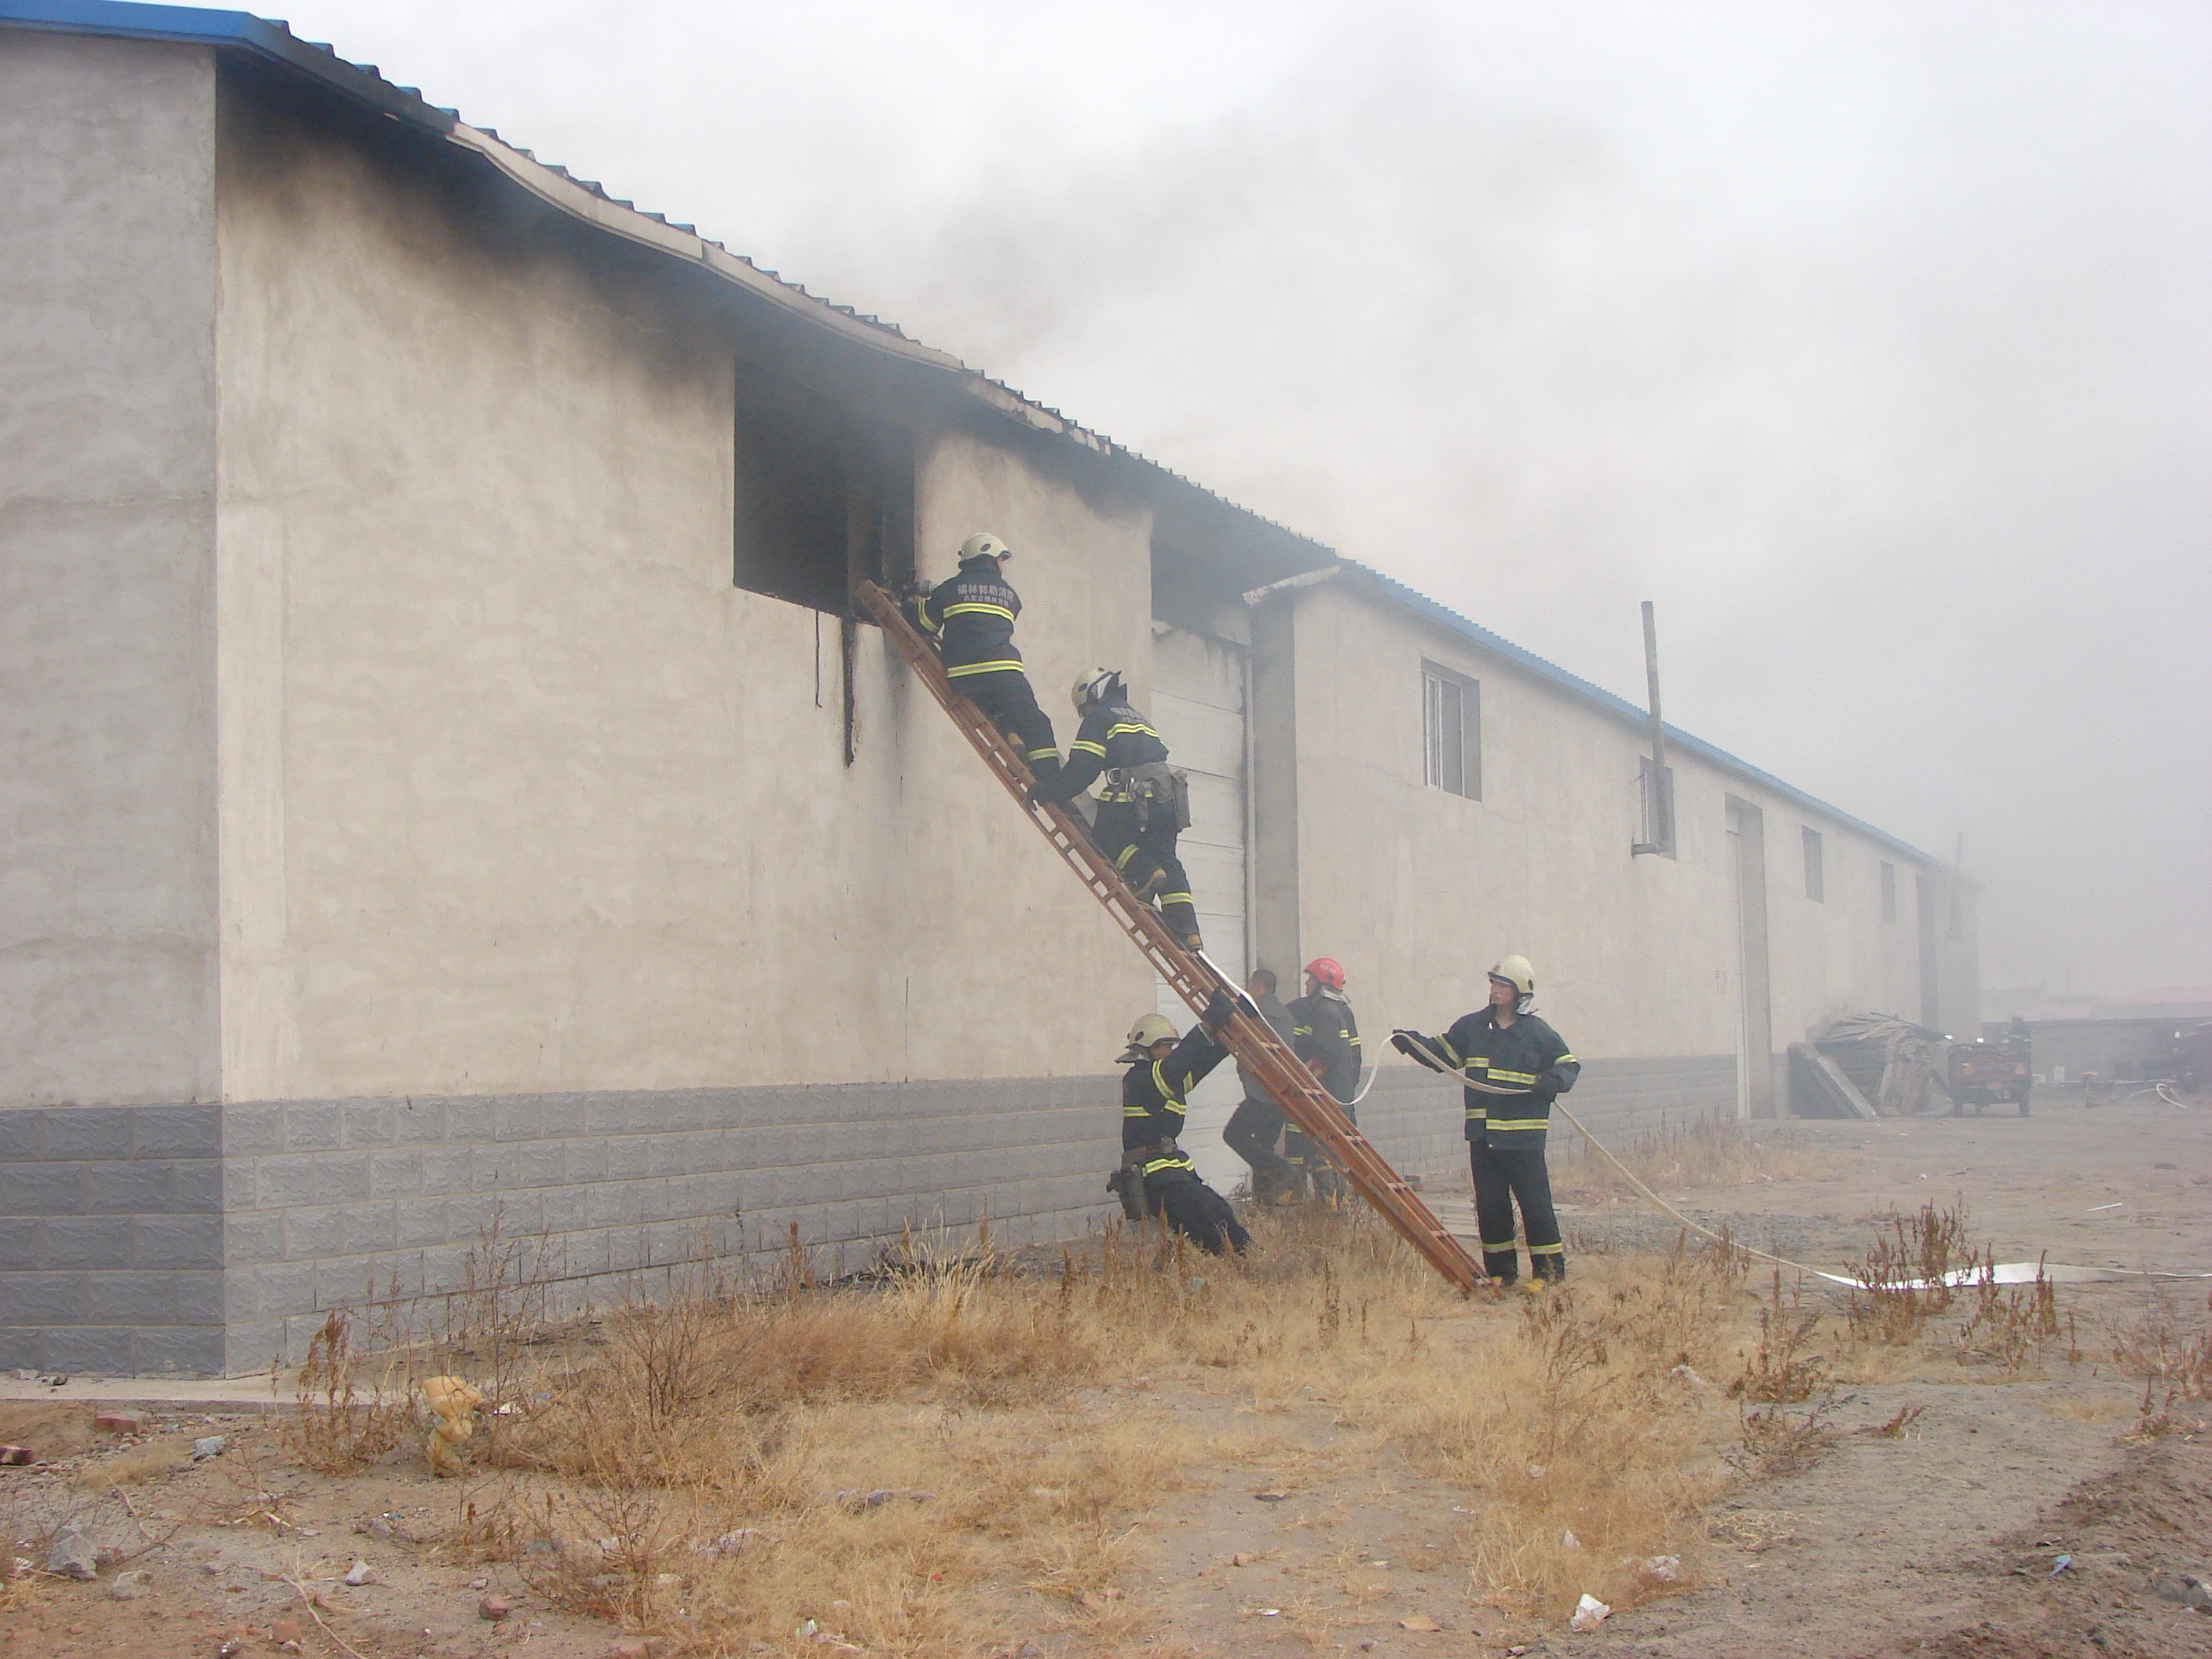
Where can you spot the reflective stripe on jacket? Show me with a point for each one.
(1324, 1032)
(1156, 1093)
(971, 617)
(1114, 738)
(1523, 1065)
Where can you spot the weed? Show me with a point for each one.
(2009, 1324)
(1899, 1425)
(1776, 1442)
(334, 1429)
(1780, 1371)
(2174, 1361)
(1906, 1272)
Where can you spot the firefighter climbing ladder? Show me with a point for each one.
(1195, 980)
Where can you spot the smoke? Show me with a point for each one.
(1869, 340)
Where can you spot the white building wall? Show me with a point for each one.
(1418, 891)
(107, 876)
(521, 794)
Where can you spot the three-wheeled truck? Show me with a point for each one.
(1983, 1072)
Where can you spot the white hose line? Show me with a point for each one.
(2000, 1272)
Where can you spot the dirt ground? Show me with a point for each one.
(2007, 1514)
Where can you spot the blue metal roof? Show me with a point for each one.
(239, 31)
(274, 43)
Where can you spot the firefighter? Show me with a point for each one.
(1326, 1035)
(1157, 1177)
(1143, 806)
(1513, 1066)
(1257, 1123)
(970, 617)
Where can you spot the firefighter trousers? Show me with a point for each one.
(1500, 1177)
(1197, 1212)
(1009, 704)
(1142, 846)
(1253, 1130)
(1309, 1162)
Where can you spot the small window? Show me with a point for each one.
(1451, 727)
(1816, 881)
(1888, 891)
(1658, 795)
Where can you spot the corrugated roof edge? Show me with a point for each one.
(238, 30)
(274, 42)
(1498, 645)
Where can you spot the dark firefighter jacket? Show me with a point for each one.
(1323, 1032)
(971, 617)
(1114, 738)
(1526, 1060)
(1271, 1010)
(1156, 1093)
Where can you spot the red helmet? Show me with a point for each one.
(1328, 970)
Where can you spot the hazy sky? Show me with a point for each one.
(1874, 342)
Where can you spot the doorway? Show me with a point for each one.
(1198, 704)
(1754, 1056)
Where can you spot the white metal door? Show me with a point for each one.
(1198, 706)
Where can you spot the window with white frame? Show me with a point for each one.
(1888, 891)
(1816, 879)
(1451, 731)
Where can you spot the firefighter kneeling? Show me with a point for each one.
(1156, 1177)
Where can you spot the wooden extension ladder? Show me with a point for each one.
(1195, 979)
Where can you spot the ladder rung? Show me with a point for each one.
(1303, 1099)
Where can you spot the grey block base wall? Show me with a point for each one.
(205, 1240)
(1416, 1119)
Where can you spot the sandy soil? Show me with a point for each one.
(1943, 1541)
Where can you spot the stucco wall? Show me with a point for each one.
(107, 525)
(1420, 891)
(520, 793)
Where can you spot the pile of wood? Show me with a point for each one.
(1895, 1067)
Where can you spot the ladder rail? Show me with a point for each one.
(1248, 1037)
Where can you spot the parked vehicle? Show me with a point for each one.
(1982, 1074)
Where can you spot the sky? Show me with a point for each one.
(1870, 341)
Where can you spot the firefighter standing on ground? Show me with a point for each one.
(1157, 1177)
(1141, 810)
(1325, 1034)
(1257, 1123)
(970, 618)
(1513, 1064)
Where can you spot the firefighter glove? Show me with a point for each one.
(1218, 1008)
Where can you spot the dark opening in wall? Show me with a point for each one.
(824, 497)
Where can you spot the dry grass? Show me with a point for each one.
(2091, 1411)
(1715, 1149)
(956, 1455)
(147, 1462)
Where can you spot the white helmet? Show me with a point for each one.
(984, 546)
(1149, 1030)
(1516, 971)
(1096, 685)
